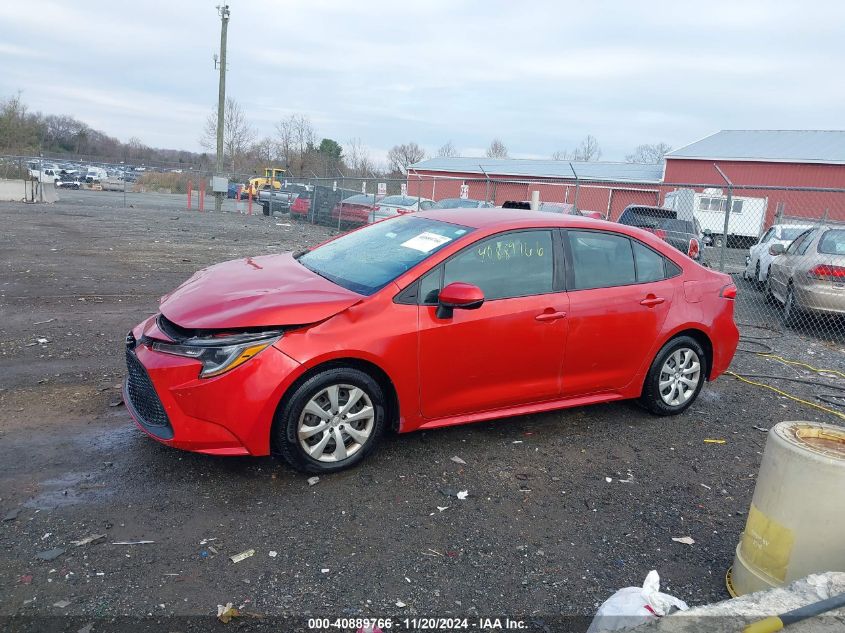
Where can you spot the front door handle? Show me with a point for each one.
(651, 301)
(550, 316)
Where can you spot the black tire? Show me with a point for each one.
(266, 209)
(651, 398)
(770, 297)
(790, 311)
(286, 425)
(757, 281)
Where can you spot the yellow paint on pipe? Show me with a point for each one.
(769, 625)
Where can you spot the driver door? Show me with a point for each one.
(510, 350)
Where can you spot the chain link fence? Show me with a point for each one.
(784, 246)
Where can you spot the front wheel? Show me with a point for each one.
(331, 422)
(675, 377)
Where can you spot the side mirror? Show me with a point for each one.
(777, 249)
(460, 295)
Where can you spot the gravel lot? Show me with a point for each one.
(541, 535)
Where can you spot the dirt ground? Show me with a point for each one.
(543, 534)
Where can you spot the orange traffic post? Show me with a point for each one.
(202, 196)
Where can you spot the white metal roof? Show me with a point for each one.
(787, 146)
(522, 168)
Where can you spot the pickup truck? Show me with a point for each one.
(684, 235)
(272, 201)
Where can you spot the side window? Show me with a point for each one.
(514, 264)
(798, 242)
(425, 205)
(600, 260)
(806, 243)
(767, 235)
(649, 264)
(430, 286)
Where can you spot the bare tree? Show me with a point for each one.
(400, 157)
(238, 134)
(358, 158)
(649, 153)
(497, 149)
(296, 141)
(560, 155)
(447, 150)
(588, 149)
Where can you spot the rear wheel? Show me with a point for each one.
(675, 377)
(791, 313)
(332, 421)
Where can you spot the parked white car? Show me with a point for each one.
(389, 206)
(758, 260)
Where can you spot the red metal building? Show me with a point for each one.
(787, 172)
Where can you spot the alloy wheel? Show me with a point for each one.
(336, 423)
(679, 377)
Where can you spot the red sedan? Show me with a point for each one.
(425, 320)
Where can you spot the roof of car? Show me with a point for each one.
(492, 216)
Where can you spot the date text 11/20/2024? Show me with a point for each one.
(379, 625)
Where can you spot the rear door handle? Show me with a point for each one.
(550, 316)
(652, 301)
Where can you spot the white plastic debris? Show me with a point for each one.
(463, 494)
(458, 460)
(226, 613)
(273, 553)
(61, 604)
(312, 481)
(632, 606)
(608, 479)
(686, 540)
(442, 508)
(400, 604)
(237, 558)
(324, 570)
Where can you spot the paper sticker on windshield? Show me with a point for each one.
(426, 242)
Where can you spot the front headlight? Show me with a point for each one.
(220, 354)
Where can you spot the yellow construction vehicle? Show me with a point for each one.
(272, 179)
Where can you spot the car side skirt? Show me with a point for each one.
(524, 409)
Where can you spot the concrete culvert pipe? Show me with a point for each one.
(796, 524)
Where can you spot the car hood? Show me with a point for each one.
(270, 290)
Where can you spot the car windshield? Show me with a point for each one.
(791, 233)
(456, 203)
(366, 260)
(833, 242)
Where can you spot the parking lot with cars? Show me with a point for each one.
(553, 510)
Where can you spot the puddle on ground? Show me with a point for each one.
(69, 489)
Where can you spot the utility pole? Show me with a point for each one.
(221, 100)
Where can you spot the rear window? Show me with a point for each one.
(457, 203)
(359, 199)
(678, 226)
(646, 217)
(833, 242)
(399, 200)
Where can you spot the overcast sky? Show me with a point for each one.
(540, 75)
